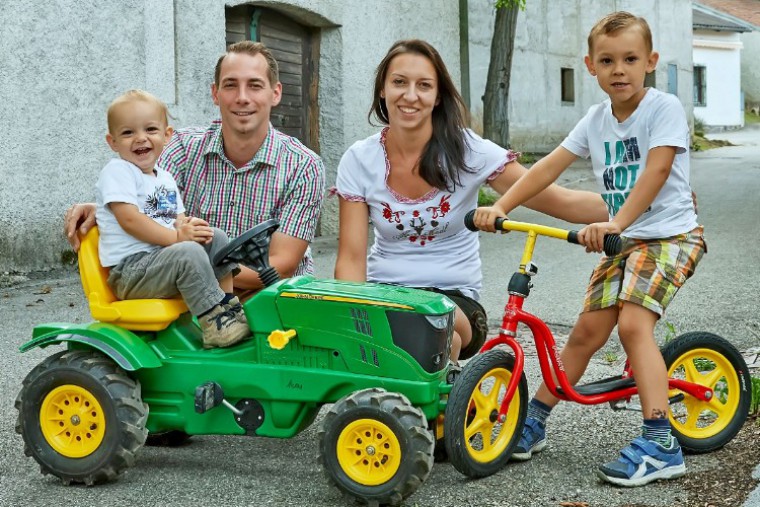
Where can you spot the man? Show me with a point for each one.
(240, 171)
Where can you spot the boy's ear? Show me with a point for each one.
(654, 57)
(589, 65)
(169, 132)
(111, 142)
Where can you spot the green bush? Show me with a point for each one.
(486, 196)
(754, 404)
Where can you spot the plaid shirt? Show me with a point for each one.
(284, 180)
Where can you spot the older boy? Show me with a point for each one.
(638, 141)
(152, 248)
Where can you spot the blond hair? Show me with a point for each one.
(250, 48)
(616, 21)
(132, 96)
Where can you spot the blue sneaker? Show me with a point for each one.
(642, 462)
(533, 439)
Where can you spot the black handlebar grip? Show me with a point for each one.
(469, 222)
(613, 244)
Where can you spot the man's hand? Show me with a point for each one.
(81, 217)
(592, 236)
(485, 216)
(193, 229)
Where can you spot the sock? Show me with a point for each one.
(227, 298)
(539, 410)
(658, 430)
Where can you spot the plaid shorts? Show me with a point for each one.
(648, 272)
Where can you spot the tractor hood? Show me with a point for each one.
(373, 294)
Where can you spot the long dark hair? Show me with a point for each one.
(444, 156)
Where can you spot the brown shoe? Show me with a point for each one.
(235, 306)
(221, 328)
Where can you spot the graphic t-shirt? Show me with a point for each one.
(420, 242)
(619, 156)
(155, 195)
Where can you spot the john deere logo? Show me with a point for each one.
(294, 385)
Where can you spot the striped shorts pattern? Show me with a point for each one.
(647, 272)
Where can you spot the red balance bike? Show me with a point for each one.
(710, 386)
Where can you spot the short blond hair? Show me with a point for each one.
(616, 21)
(133, 96)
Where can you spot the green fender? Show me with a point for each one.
(127, 349)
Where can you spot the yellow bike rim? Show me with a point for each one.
(72, 421)
(487, 438)
(703, 419)
(368, 452)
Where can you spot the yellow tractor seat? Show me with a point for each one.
(133, 314)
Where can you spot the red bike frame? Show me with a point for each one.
(548, 355)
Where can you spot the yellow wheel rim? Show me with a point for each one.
(703, 419)
(368, 452)
(486, 438)
(72, 421)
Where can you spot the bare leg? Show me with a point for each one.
(462, 334)
(636, 329)
(225, 284)
(590, 333)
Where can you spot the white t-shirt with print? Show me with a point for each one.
(420, 242)
(154, 195)
(619, 156)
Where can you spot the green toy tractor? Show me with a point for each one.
(379, 353)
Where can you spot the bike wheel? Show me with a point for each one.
(708, 360)
(479, 445)
(375, 446)
(81, 417)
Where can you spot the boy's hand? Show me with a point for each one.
(193, 229)
(485, 216)
(592, 236)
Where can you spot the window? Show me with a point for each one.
(673, 78)
(700, 86)
(568, 86)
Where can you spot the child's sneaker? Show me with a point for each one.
(235, 305)
(644, 461)
(533, 439)
(221, 328)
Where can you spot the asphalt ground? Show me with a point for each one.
(239, 471)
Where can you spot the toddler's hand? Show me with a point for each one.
(592, 236)
(193, 229)
(485, 216)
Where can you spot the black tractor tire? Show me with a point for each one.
(93, 446)
(469, 454)
(386, 434)
(707, 358)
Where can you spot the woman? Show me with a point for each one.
(417, 178)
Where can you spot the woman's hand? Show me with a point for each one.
(592, 236)
(81, 217)
(485, 217)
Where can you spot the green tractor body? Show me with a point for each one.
(348, 337)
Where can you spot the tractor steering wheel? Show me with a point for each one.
(252, 250)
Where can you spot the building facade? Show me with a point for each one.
(550, 88)
(63, 61)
